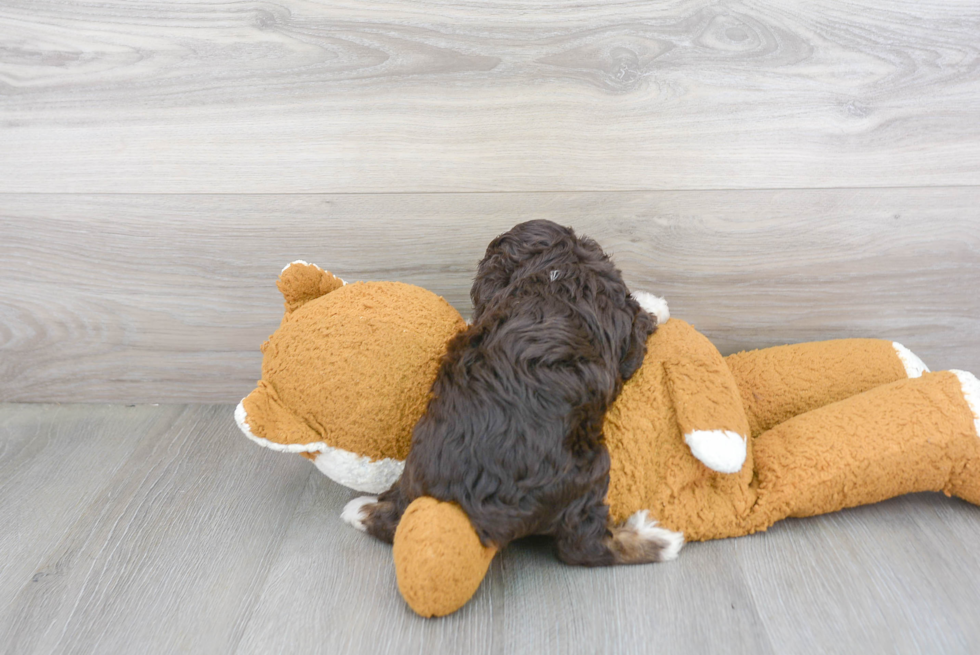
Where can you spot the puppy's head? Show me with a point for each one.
(513, 250)
(576, 266)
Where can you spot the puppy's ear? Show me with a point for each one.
(493, 274)
(635, 348)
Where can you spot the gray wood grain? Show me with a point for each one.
(333, 590)
(554, 608)
(55, 462)
(379, 96)
(173, 533)
(149, 298)
(170, 554)
(894, 568)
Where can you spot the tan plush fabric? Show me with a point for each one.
(786, 381)
(907, 436)
(439, 560)
(352, 367)
(892, 436)
(701, 388)
(652, 468)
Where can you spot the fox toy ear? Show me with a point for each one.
(301, 282)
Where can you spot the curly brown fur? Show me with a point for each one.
(513, 430)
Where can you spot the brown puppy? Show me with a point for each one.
(513, 430)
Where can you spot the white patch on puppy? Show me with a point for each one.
(914, 367)
(720, 450)
(354, 513)
(653, 305)
(648, 530)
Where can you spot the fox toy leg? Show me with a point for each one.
(919, 434)
(779, 383)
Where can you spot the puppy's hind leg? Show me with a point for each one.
(641, 540)
(585, 538)
(377, 515)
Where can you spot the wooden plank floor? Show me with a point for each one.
(161, 530)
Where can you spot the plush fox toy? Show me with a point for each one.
(709, 446)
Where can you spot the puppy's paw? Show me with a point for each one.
(356, 511)
(641, 540)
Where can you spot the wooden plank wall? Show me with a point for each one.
(780, 172)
